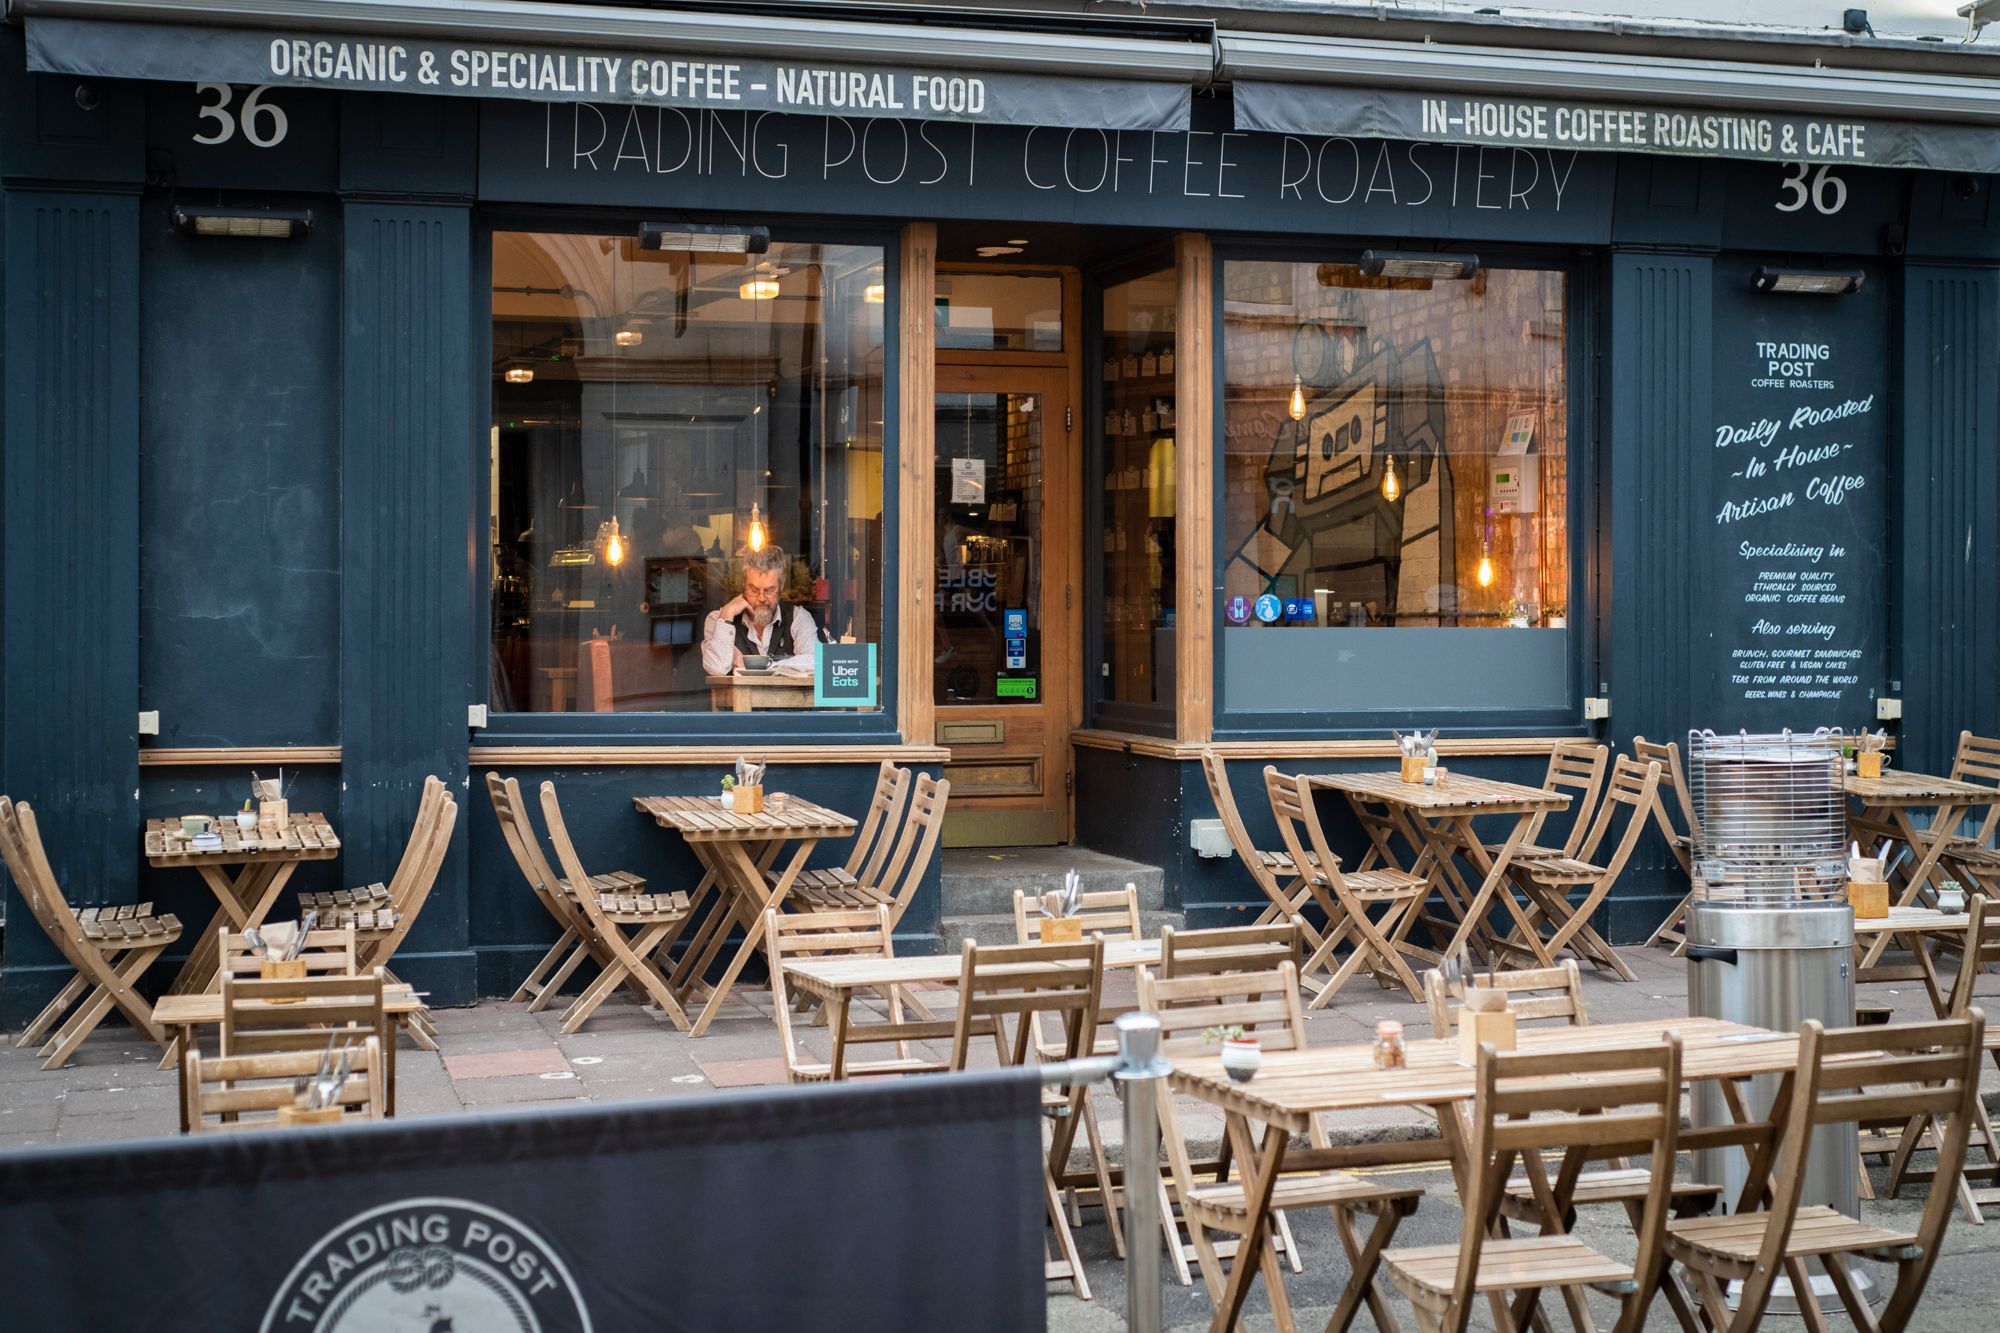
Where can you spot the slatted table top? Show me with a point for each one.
(307, 838)
(824, 976)
(1459, 793)
(206, 1009)
(1896, 787)
(702, 819)
(1292, 1086)
(1913, 921)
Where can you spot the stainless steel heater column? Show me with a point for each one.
(1770, 934)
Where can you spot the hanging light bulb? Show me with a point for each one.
(874, 293)
(1298, 407)
(520, 375)
(756, 537)
(759, 289)
(629, 337)
(1485, 572)
(614, 544)
(1392, 490)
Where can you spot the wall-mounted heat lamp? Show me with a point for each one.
(270, 224)
(1811, 281)
(704, 239)
(1398, 264)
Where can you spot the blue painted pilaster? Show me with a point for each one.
(1659, 411)
(1948, 611)
(70, 571)
(407, 556)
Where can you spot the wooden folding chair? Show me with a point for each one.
(863, 933)
(1978, 949)
(217, 1091)
(655, 918)
(1548, 882)
(577, 941)
(300, 1013)
(1110, 914)
(1589, 1105)
(1973, 859)
(1845, 1076)
(108, 946)
(1376, 942)
(382, 916)
(868, 852)
(1189, 953)
(1554, 996)
(1680, 838)
(325, 953)
(1575, 766)
(1022, 982)
(1274, 873)
(1265, 1005)
(892, 881)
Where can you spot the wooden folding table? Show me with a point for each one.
(1916, 928)
(735, 850)
(1890, 801)
(1437, 822)
(184, 1014)
(838, 980)
(1267, 1116)
(267, 860)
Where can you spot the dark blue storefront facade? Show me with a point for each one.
(243, 483)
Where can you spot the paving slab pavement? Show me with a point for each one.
(113, 1090)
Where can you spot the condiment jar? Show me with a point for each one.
(1389, 1050)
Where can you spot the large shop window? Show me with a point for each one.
(686, 475)
(1139, 428)
(1395, 475)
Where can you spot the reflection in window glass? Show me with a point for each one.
(1396, 449)
(686, 471)
(1000, 312)
(1139, 482)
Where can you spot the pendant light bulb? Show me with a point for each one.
(614, 544)
(1485, 573)
(1298, 406)
(1392, 489)
(756, 538)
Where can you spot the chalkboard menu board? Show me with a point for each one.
(1799, 506)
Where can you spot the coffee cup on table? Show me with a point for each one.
(194, 825)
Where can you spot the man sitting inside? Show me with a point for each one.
(759, 622)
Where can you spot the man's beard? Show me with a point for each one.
(762, 616)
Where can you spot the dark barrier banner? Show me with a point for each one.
(908, 1205)
(1637, 127)
(566, 73)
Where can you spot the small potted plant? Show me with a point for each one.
(1556, 617)
(1517, 615)
(728, 791)
(1241, 1053)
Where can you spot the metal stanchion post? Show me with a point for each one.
(1140, 1069)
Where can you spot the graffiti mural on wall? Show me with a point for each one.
(1328, 525)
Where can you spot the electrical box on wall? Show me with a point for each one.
(1207, 837)
(1514, 471)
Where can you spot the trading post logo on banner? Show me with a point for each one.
(428, 1265)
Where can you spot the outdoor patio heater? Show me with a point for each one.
(1770, 933)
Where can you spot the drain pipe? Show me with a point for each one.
(1138, 1068)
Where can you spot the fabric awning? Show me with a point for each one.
(1097, 74)
(1611, 102)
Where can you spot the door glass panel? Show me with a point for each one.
(1000, 312)
(989, 559)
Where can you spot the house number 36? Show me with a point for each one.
(263, 123)
(1827, 194)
